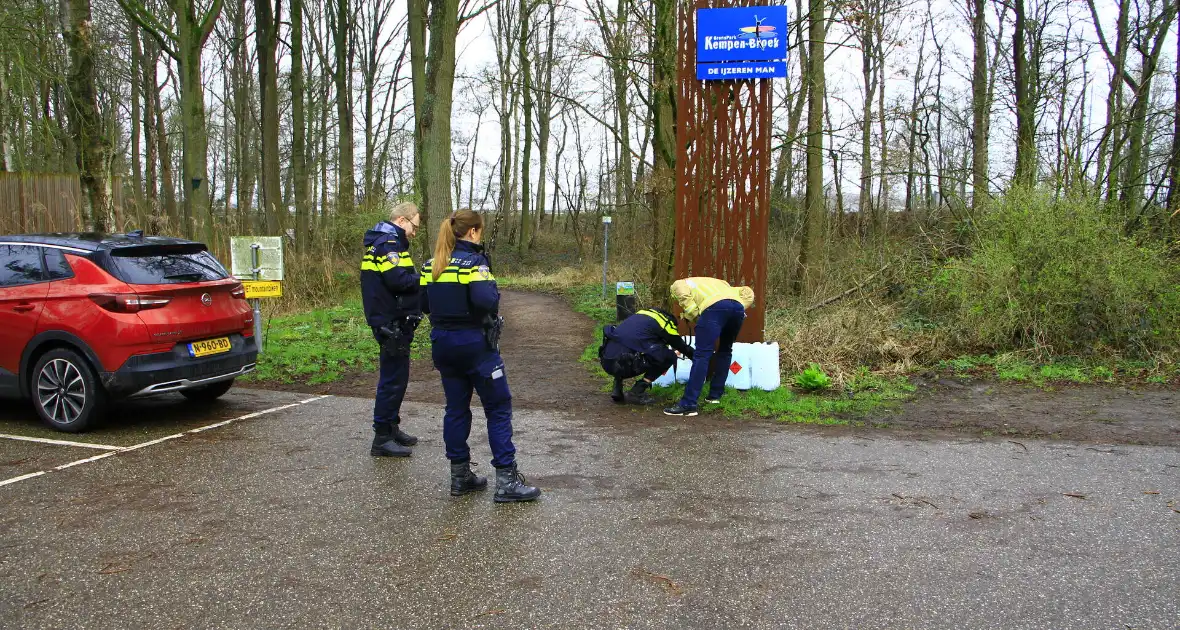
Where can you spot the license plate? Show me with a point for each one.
(210, 346)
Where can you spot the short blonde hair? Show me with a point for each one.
(403, 210)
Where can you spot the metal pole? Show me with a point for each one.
(605, 247)
(257, 272)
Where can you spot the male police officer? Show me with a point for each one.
(642, 345)
(389, 288)
(719, 311)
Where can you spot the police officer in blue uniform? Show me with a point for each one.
(461, 297)
(390, 285)
(645, 345)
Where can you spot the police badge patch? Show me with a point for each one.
(484, 272)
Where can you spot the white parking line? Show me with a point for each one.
(116, 450)
(22, 438)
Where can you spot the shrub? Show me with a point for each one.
(1056, 277)
(813, 379)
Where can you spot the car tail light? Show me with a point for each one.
(128, 302)
(238, 292)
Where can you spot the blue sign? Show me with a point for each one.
(741, 34)
(745, 70)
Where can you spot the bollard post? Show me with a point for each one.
(605, 248)
(256, 270)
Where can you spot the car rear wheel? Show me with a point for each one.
(208, 393)
(66, 393)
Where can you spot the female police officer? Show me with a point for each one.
(460, 295)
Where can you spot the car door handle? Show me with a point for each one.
(23, 308)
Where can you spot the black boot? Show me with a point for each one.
(638, 394)
(511, 488)
(464, 481)
(403, 438)
(385, 445)
(617, 394)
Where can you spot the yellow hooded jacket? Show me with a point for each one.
(697, 294)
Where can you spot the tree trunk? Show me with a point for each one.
(1150, 47)
(881, 216)
(526, 74)
(299, 129)
(167, 170)
(912, 141)
(865, 203)
(433, 79)
(1173, 202)
(546, 112)
(267, 20)
(810, 252)
(980, 108)
(85, 124)
(151, 99)
(663, 185)
(1025, 171)
(136, 113)
(341, 37)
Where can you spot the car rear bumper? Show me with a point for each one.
(148, 374)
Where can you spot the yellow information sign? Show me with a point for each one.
(262, 289)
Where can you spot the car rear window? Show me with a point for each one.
(173, 264)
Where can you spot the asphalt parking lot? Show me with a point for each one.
(278, 517)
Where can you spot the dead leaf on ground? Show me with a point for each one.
(1151, 492)
(448, 534)
(112, 569)
(1074, 495)
(976, 515)
(671, 587)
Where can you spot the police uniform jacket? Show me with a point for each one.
(464, 293)
(389, 280)
(649, 332)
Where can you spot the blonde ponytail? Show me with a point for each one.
(443, 247)
(452, 229)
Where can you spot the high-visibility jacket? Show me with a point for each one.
(389, 280)
(464, 293)
(697, 294)
(649, 331)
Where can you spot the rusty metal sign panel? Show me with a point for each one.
(723, 131)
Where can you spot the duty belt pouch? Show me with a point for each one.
(396, 342)
(493, 326)
(608, 333)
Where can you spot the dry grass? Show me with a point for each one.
(845, 337)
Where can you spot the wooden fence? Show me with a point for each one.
(48, 202)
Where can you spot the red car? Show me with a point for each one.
(90, 318)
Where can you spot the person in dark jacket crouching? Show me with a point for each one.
(389, 288)
(644, 345)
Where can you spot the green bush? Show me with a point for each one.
(1056, 277)
(813, 379)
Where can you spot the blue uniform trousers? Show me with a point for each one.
(719, 324)
(391, 390)
(466, 364)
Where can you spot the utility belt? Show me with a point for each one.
(397, 336)
(493, 327)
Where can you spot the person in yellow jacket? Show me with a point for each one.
(719, 311)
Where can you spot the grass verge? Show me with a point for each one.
(862, 393)
(319, 346)
(1063, 370)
